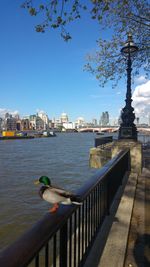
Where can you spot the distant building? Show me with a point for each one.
(9, 122)
(7, 115)
(17, 117)
(39, 123)
(104, 120)
(25, 124)
(32, 119)
(120, 119)
(143, 124)
(44, 118)
(80, 122)
(51, 124)
(64, 118)
(57, 123)
(1, 124)
(137, 120)
(94, 122)
(69, 125)
(18, 125)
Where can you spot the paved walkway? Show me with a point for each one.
(136, 243)
(138, 250)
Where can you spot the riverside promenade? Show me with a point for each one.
(125, 239)
(138, 247)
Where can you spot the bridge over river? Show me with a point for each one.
(110, 129)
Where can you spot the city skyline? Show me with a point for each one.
(42, 72)
(103, 120)
(41, 112)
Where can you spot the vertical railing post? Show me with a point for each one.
(129, 160)
(108, 197)
(63, 246)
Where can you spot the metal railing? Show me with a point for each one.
(64, 238)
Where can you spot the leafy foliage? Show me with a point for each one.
(119, 16)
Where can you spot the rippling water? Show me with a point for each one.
(64, 158)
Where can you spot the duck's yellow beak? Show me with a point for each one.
(36, 182)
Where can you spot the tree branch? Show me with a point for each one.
(144, 18)
(137, 21)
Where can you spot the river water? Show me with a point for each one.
(63, 158)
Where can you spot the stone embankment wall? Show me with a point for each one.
(100, 155)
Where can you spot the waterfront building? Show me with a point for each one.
(69, 125)
(32, 119)
(50, 124)
(1, 124)
(18, 125)
(53, 123)
(44, 118)
(17, 117)
(39, 123)
(80, 122)
(9, 122)
(57, 123)
(25, 124)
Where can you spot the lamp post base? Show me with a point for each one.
(126, 132)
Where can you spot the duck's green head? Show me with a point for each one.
(44, 180)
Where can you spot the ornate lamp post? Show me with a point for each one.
(127, 128)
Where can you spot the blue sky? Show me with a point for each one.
(42, 72)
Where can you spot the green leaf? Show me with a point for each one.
(106, 7)
(41, 6)
(32, 11)
(39, 28)
(54, 26)
(100, 17)
(85, 7)
(59, 20)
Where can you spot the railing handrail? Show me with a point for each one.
(100, 174)
(33, 240)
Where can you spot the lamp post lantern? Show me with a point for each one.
(127, 128)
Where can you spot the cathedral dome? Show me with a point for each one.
(64, 117)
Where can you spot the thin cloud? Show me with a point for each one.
(140, 79)
(40, 111)
(3, 111)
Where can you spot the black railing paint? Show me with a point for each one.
(64, 239)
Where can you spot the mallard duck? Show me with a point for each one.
(56, 195)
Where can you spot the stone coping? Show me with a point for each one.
(115, 248)
(109, 247)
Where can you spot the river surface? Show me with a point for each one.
(64, 158)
